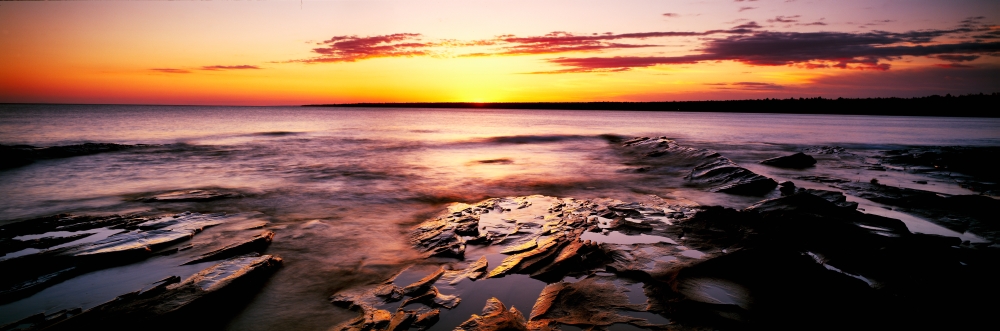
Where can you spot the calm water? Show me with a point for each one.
(341, 187)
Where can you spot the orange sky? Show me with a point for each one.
(287, 52)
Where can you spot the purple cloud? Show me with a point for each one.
(862, 51)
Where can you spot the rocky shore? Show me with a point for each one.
(798, 258)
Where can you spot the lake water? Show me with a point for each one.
(342, 186)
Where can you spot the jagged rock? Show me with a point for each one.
(256, 244)
(526, 260)
(438, 238)
(573, 255)
(527, 245)
(401, 321)
(709, 168)
(591, 301)
(183, 305)
(372, 301)
(433, 297)
(797, 160)
(424, 283)
(427, 319)
(495, 317)
(728, 177)
(474, 271)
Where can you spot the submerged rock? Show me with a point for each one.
(797, 160)
(21, 155)
(728, 177)
(191, 195)
(710, 169)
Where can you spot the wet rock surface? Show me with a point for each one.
(256, 244)
(495, 317)
(88, 243)
(808, 259)
(13, 156)
(979, 174)
(707, 168)
(797, 160)
(961, 213)
(190, 303)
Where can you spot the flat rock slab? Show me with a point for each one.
(256, 244)
(133, 243)
(179, 305)
(108, 241)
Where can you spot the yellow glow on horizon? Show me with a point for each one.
(104, 52)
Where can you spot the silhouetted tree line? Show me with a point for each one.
(969, 105)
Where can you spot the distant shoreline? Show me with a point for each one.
(972, 105)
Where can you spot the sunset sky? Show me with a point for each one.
(292, 52)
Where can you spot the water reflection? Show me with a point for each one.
(341, 187)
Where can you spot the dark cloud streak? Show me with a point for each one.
(814, 50)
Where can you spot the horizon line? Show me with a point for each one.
(498, 102)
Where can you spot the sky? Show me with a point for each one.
(307, 52)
